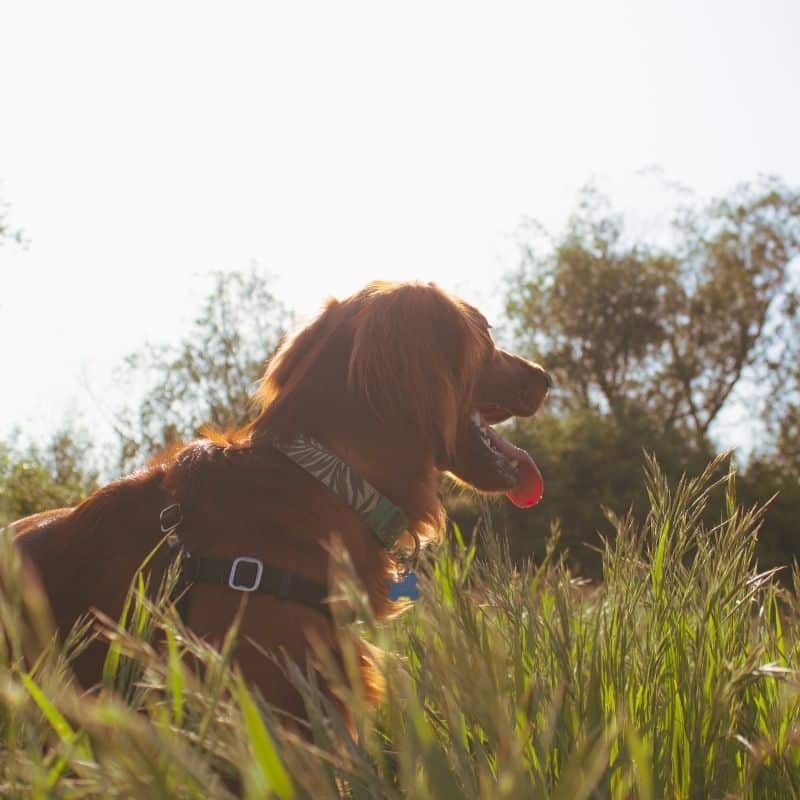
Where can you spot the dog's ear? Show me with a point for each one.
(297, 355)
(412, 362)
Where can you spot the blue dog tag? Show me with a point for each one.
(404, 588)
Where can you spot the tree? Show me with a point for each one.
(7, 232)
(648, 343)
(787, 444)
(739, 312)
(36, 478)
(783, 399)
(767, 479)
(666, 331)
(210, 375)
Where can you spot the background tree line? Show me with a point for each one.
(650, 342)
(9, 234)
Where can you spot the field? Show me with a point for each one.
(675, 677)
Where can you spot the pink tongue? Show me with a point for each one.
(530, 486)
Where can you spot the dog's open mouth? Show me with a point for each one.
(514, 465)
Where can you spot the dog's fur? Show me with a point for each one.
(387, 380)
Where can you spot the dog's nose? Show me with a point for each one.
(548, 379)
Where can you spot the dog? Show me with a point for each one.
(356, 417)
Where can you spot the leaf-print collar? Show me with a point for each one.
(386, 520)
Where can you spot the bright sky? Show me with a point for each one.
(144, 144)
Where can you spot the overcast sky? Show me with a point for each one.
(144, 144)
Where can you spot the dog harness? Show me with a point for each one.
(249, 574)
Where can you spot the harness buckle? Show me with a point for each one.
(243, 587)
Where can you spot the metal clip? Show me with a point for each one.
(170, 518)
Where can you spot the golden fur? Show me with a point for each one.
(387, 380)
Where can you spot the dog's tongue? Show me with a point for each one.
(530, 486)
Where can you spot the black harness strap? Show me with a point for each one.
(244, 574)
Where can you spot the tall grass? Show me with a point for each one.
(677, 677)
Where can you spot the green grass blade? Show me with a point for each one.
(58, 723)
(271, 771)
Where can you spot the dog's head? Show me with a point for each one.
(418, 362)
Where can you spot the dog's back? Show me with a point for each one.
(84, 557)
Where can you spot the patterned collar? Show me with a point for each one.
(386, 520)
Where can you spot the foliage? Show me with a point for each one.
(649, 343)
(669, 331)
(591, 465)
(783, 401)
(676, 678)
(590, 462)
(209, 377)
(766, 479)
(39, 477)
(8, 233)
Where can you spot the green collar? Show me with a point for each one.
(386, 520)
